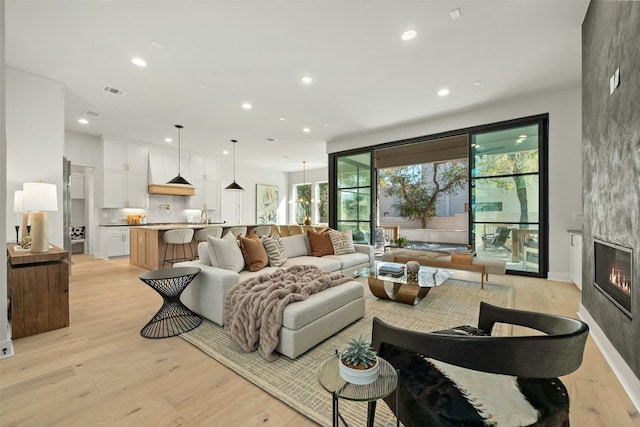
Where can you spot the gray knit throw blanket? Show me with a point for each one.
(253, 309)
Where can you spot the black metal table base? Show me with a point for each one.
(172, 319)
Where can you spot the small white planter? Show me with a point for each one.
(359, 376)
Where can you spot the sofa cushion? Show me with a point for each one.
(225, 253)
(350, 260)
(275, 250)
(320, 243)
(297, 245)
(300, 314)
(342, 241)
(203, 253)
(323, 263)
(254, 254)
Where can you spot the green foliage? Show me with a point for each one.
(418, 187)
(401, 241)
(323, 202)
(303, 202)
(359, 352)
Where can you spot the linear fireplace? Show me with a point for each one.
(613, 273)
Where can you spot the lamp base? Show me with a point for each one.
(25, 222)
(39, 232)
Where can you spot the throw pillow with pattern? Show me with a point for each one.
(342, 241)
(275, 250)
(77, 233)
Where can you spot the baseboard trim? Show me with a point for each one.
(625, 375)
(6, 349)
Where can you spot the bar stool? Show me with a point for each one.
(178, 236)
(262, 230)
(236, 231)
(202, 235)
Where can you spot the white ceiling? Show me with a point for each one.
(215, 55)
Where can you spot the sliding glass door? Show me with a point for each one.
(507, 202)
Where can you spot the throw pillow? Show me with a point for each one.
(254, 254)
(225, 253)
(296, 245)
(77, 233)
(320, 243)
(342, 241)
(275, 250)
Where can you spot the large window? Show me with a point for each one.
(353, 207)
(506, 196)
(322, 203)
(303, 203)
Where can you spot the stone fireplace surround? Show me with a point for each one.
(611, 175)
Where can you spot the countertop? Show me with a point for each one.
(168, 225)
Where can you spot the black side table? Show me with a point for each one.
(173, 318)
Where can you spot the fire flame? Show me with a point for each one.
(619, 280)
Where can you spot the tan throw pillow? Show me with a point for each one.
(255, 256)
(320, 243)
(275, 250)
(342, 241)
(225, 253)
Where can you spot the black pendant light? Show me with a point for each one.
(179, 179)
(234, 186)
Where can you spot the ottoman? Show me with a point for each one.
(307, 323)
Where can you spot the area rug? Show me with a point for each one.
(294, 382)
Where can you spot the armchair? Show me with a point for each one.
(465, 376)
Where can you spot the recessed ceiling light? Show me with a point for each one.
(247, 106)
(477, 83)
(225, 152)
(83, 121)
(168, 140)
(282, 119)
(443, 92)
(306, 80)
(455, 14)
(409, 35)
(326, 125)
(306, 130)
(139, 62)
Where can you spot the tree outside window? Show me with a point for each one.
(323, 202)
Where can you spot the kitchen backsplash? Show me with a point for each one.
(162, 209)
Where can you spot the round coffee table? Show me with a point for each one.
(173, 318)
(402, 289)
(330, 379)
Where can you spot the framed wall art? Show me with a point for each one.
(267, 201)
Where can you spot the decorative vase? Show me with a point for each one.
(307, 221)
(413, 267)
(359, 376)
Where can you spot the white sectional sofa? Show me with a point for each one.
(305, 323)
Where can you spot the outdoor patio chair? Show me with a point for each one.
(497, 240)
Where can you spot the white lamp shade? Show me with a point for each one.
(39, 196)
(17, 201)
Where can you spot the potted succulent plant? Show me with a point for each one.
(358, 363)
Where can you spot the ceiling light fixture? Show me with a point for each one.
(179, 179)
(234, 185)
(83, 121)
(455, 14)
(306, 130)
(443, 92)
(168, 140)
(225, 152)
(477, 83)
(282, 119)
(247, 106)
(409, 35)
(139, 62)
(306, 80)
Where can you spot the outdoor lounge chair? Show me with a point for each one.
(496, 240)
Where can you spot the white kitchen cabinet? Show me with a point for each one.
(118, 241)
(575, 258)
(204, 173)
(125, 174)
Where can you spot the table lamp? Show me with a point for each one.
(17, 208)
(38, 198)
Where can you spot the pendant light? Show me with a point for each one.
(234, 186)
(179, 179)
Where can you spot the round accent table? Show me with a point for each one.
(173, 318)
(330, 379)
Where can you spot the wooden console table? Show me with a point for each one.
(38, 288)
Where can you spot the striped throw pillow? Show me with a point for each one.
(342, 241)
(275, 250)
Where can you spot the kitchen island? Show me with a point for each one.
(147, 246)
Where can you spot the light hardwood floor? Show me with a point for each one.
(100, 372)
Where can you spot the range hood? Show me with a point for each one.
(172, 189)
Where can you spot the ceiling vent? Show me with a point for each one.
(113, 90)
(91, 113)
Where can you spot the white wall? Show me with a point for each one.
(565, 167)
(35, 141)
(248, 178)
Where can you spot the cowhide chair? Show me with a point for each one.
(465, 377)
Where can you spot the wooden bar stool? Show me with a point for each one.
(178, 236)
